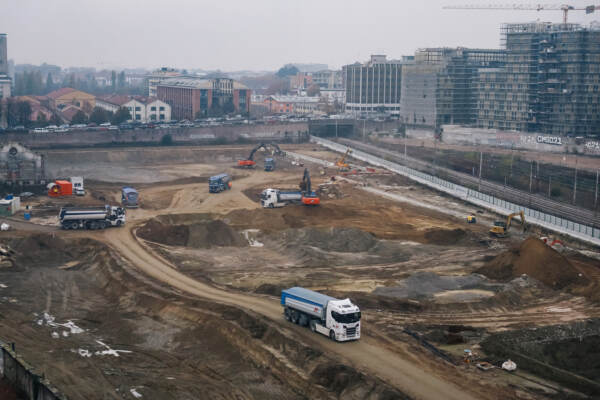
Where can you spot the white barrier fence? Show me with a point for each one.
(500, 206)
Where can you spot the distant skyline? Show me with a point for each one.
(233, 35)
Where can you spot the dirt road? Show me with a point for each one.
(363, 354)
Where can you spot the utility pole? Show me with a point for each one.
(405, 147)
(530, 176)
(512, 157)
(549, 185)
(575, 182)
(480, 166)
(596, 194)
(364, 126)
(336, 135)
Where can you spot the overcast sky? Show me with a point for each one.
(246, 34)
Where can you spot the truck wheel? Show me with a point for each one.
(102, 225)
(332, 335)
(313, 325)
(119, 222)
(303, 320)
(294, 316)
(286, 314)
(271, 205)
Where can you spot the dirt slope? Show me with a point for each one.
(536, 259)
(364, 354)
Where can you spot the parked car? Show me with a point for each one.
(41, 130)
(125, 127)
(113, 128)
(61, 130)
(105, 124)
(52, 127)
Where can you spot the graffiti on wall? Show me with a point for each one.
(592, 146)
(550, 140)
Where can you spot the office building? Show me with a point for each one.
(374, 86)
(5, 81)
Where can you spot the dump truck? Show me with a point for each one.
(338, 319)
(269, 164)
(219, 183)
(91, 217)
(129, 197)
(271, 198)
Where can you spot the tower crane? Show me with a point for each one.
(527, 7)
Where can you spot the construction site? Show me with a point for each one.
(181, 298)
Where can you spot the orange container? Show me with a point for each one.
(61, 188)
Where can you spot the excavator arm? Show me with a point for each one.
(309, 197)
(249, 162)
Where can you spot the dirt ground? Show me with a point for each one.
(182, 302)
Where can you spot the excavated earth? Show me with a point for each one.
(429, 285)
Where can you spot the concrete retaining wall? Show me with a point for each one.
(23, 379)
(204, 135)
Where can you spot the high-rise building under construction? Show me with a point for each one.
(550, 84)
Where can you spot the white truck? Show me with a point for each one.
(271, 198)
(78, 188)
(92, 217)
(338, 319)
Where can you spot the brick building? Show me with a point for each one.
(192, 98)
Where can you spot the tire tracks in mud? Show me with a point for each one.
(364, 354)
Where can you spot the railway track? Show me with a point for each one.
(533, 201)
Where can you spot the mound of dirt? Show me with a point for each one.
(444, 236)
(332, 239)
(538, 261)
(200, 235)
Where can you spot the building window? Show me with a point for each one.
(153, 108)
(153, 117)
(161, 108)
(162, 116)
(130, 108)
(137, 117)
(137, 109)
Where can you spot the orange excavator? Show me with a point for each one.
(309, 198)
(249, 162)
(341, 163)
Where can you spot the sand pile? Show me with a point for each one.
(202, 234)
(538, 261)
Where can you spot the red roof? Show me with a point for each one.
(69, 112)
(60, 92)
(115, 99)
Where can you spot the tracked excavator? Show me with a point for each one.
(500, 228)
(341, 163)
(309, 198)
(250, 163)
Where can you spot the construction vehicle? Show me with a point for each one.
(269, 164)
(338, 319)
(341, 163)
(500, 228)
(91, 217)
(129, 197)
(250, 163)
(219, 183)
(309, 198)
(471, 219)
(272, 198)
(77, 182)
(60, 188)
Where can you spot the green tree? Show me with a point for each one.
(121, 116)
(100, 116)
(41, 120)
(79, 118)
(49, 83)
(113, 80)
(23, 111)
(287, 70)
(121, 81)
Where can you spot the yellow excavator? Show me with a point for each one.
(500, 228)
(341, 164)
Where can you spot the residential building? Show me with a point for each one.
(5, 81)
(291, 104)
(192, 98)
(156, 77)
(328, 79)
(439, 86)
(333, 95)
(38, 110)
(65, 96)
(142, 109)
(301, 81)
(374, 86)
(550, 84)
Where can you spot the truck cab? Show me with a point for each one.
(335, 318)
